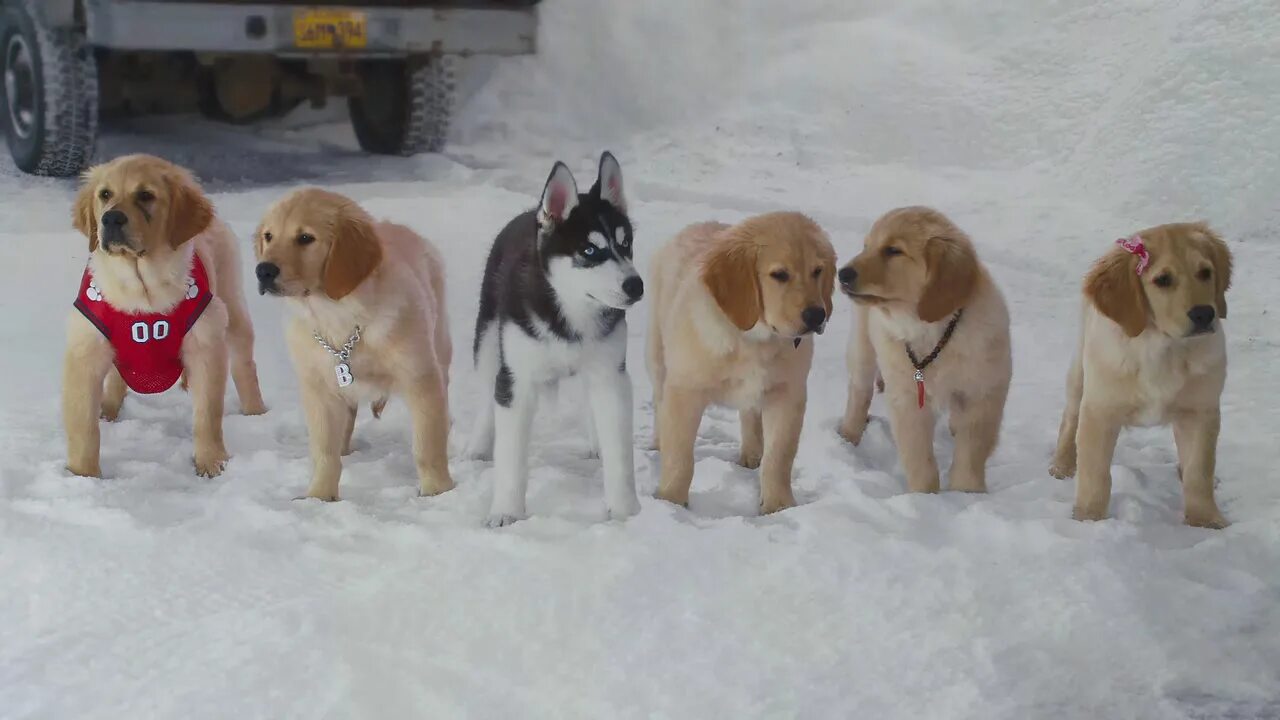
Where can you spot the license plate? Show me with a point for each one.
(330, 29)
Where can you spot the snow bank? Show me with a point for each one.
(1151, 109)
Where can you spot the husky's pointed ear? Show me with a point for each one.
(559, 196)
(608, 185)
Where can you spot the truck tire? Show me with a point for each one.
(50, 104)
(405, 105)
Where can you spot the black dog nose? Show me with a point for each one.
(1202, 316)
(114, 219)
(847, 275)
(267, 272)
(633, 287)
(813, 317)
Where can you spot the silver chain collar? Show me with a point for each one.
(345, 352)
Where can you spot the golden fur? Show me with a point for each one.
(169, 218)
(724, 329)
(916, 270)
(389, 281)
(1138, 363)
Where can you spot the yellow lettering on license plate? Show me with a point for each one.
(330, 29)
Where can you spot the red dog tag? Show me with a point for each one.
(920, 388)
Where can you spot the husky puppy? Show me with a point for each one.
(552, 305)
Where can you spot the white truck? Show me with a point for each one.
(65, 62)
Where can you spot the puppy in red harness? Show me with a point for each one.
(160, 298)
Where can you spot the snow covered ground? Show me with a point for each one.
(1045, 129)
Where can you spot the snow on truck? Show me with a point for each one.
(67, 61)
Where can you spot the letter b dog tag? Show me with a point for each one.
(343, 373)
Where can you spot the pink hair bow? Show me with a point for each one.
(1135, 246)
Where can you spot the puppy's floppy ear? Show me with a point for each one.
(1113, 286)
(559, 196)
(190, 212)
(608, 185)
(828, 283)
(1221, 257)
(953, 272)
(82, 214)
(353, 256)
(730, 274)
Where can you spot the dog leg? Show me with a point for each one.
(86, 364)
(863, 378)
(609, 393)
(752, 449)
(1096, 445)
(244, 372)
(511, 454)
(592, 429)
(327, 415)
(679, 417)
(349, 430)
(113, 397)
(1196, 435)
(912, 428)
(976, 427)
(207, 370)
(488, 361)
(783, 418)
(428, 402)
(1064, 457)
(657, 367)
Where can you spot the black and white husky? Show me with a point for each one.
(553, 304)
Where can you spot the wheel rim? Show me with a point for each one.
(20, 87)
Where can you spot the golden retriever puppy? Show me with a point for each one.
(1152, 352)
(932, 321)
(161, 299)
(369, 320)
(735, 310)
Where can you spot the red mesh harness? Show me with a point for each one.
(148, 346)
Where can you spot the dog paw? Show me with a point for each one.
(1062, 468)
(966, 484)
(111, 412)
(1208, 518)
(85, 470)
(769, 505)
(210, 464)
(431, 488)
(1088, 514)
(750, 459)
(623, 508)
(674, 497)
(253, 408)
(321, 497)
(498, 520)
(852, 431)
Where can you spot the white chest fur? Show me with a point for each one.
(1154, 371)
(547, 358)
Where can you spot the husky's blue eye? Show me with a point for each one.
(589, 250)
